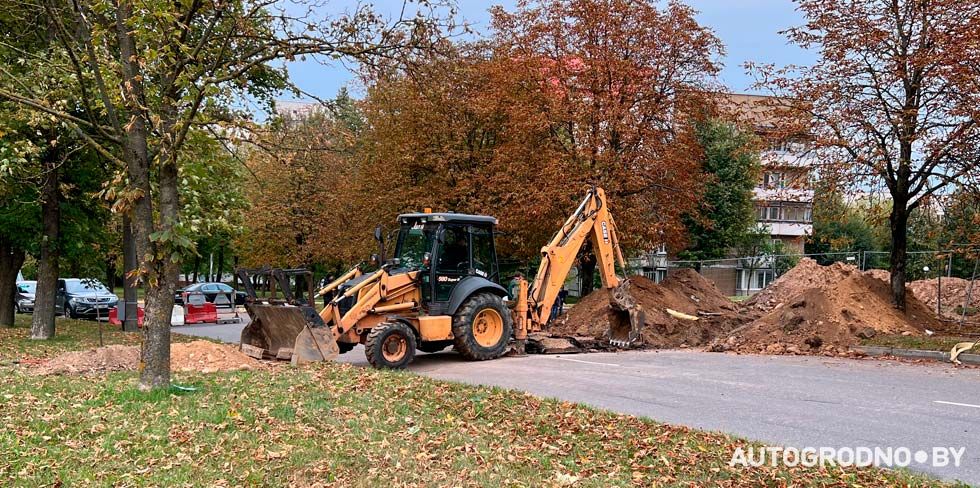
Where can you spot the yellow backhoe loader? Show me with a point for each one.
(440, 289)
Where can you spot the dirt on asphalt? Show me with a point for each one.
(822, 309)
(683, 291)
(201, 356)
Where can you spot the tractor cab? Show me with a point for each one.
(454, 252)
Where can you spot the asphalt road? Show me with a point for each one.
(780, 400)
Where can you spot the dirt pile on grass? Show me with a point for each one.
(822, 309)
(951, 299)
(102, 360)
(683, 291)
(202, 356)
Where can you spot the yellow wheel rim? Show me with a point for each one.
(394, 348)
(488, 326)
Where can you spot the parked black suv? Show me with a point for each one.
(84, 298)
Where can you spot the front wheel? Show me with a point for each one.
(482, 327)
(70, 312)
(390, 345)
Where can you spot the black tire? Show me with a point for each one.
(390, 345)
(464, 338)
(434, 346)
(70, 312)
(17, 308)
(345, 346)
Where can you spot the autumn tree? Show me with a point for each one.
(893, 99)
(307, 204)
(562, 95)
(147, 74)
(621, 74)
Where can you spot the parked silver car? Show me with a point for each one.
(25, 296)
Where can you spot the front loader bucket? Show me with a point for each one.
(628, 317)
(295, 333)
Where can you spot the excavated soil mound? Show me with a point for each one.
(208, 357)
(101, 360)
(203, 356)
(815, 308)
(954, 292)
(683, 291)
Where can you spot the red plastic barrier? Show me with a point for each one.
(114, 316)
(197, 310)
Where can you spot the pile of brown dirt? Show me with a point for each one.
(208, 357)
(954, 291)
(102, 360)
(683, 291)
(821, 309)
(203, 356)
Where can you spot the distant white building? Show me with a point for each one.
(783, 201)
(291, 110)
(784, 194)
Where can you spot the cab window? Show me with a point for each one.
(455, 254)
(483, 262)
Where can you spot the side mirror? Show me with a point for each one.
(377, 233)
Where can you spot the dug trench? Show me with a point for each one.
(810, 309)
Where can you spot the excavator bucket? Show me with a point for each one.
(290, 332)
(287, 328)
(628, 317)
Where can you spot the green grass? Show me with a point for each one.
(70, 335)
(929, 343)
(337, 425)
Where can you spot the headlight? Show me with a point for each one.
(73, 301)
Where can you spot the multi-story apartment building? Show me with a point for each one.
(783, 201)
(784, 194)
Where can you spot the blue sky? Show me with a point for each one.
(748, 28)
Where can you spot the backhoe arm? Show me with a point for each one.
(592, 221)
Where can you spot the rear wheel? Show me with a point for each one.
(482, 327)
(390, 345)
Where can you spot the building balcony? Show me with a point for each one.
(786, 159)
(788, 229)
(797, 195)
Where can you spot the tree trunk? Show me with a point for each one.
(11, 259)
(159, 274)
(131, 312)
(42, 322)
(110, 272)
(234, 273)
(197, 266)
(219, 266)
(899, 220)
(155, 362)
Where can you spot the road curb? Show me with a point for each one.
(915, 354)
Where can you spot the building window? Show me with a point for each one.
(763, 278)
(774, 180)
(786, 212)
